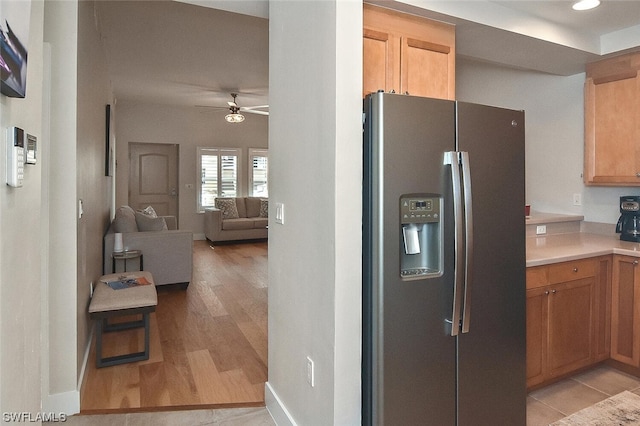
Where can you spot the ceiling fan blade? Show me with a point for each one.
(256, 109)
(253, 111)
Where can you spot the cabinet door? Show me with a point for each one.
(602, 313)
(615, 129)
(381, 61)
(536, 335)
(570, 325)
(612, 122)
(625, 311)
(426, 69)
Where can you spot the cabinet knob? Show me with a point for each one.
(546, 292)
(553, 291)
(575, 269)
(638, 174)
(635, 262)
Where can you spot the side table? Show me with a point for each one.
(127, 255)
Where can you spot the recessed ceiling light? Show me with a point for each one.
(586, 4)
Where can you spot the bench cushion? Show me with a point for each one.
(107, 299)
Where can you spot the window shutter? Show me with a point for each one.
(209, 188)
(229, 175)
(259, 176)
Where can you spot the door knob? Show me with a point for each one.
(173, 192)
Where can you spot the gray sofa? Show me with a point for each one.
(239, 218)
(167, 252)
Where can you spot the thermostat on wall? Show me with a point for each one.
(15, 157)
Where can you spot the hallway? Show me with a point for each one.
(208, 343)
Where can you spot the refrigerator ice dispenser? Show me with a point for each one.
(421, 236)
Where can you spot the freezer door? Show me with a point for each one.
(409, 355)
(491, 356)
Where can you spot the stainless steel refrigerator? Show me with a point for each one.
(444, 263)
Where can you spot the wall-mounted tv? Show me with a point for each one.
(14, 33)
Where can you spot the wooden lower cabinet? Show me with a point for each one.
(625, 310)
(567, 317)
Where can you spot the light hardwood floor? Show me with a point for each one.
(208, 343)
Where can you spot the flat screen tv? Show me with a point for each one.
(14, 32)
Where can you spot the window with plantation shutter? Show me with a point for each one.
(218, 171)
(258, 171)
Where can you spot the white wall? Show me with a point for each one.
(554, 115)
(315, 139)
(94, 188)
(61, 23)
(190, 128)
(20, 249)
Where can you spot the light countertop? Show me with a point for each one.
(556, 248)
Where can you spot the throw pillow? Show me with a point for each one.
(228, 207)
(149, 211)
(125, 220)
(264, 208)
(147, 223)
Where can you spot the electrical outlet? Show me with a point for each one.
(310, 372)
(541, 229)
(577, 199)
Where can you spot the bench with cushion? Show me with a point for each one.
(107, 303)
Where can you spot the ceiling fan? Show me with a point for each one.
(235, 115)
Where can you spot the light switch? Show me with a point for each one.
(280, 213)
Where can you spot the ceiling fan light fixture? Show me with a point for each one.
(234, 117)
(585, 4)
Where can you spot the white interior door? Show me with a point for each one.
(153, 177)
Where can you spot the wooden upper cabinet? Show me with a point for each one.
(407, 54)
(612, 122)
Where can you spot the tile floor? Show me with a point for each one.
(560, 399)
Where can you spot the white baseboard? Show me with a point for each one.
(85, 359)
(276, 408)
(66, 402)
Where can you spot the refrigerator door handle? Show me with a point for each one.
(468, 244)
(452, 159)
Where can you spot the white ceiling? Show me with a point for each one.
(165, 52)
(171, 52)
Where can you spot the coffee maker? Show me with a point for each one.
(629, 223)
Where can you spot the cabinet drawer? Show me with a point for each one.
(572, 270)
(537, 276)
